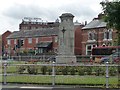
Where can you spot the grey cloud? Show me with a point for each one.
(80, 10)
(19, 11)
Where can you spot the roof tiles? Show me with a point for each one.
(95, 24)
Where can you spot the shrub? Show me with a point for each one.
(99, 71)
(21, 69)
(44, 70)
(112, 71)
(32, 70)
(57, 70)
(72, 70)
(81, 71)
(88, 70)
(50, 70)
(65, 70)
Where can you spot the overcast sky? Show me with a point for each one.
(13, 11)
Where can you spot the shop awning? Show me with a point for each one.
(44, 44)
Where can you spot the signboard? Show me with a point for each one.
(31, 19)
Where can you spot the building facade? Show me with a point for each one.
(40, 37)
(5, 43)
(43, 37)
(0, 45)
(96, 34)
(36, 24)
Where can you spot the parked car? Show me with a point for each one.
(113, 58)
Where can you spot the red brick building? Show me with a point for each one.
(95, 34)
(0, 45)
(5, 42)
(40, 37)
(78, 38)
(36, 24)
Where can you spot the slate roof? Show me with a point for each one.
(34, 33)
(95, 24)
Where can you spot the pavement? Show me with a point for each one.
(28, 87)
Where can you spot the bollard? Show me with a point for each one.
(53, 73)
(107, 76)
(5, 73)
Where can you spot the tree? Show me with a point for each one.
(111, 11)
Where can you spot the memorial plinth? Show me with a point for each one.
(66, 40)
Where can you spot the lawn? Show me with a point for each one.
(63, 80)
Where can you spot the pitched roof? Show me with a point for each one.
(34, 33)
(95, 24)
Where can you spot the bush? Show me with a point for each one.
(57, 70)
(44, 70)
(32, 70)
(21, 69)
(88, 70)
(81, 71)
(99, 71)
(72, 70)
(50, 70)
(112, 71)
(65, 71)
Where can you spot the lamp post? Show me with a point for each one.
(107, 76)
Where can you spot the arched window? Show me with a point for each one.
(91, 35)
(108, 34)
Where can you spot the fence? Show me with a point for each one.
(51, 73)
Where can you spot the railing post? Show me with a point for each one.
(5, 74)
(107, 76)
(53, 73)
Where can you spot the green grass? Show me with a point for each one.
(62, 80)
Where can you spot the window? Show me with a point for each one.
(89, 48)
(29, 40)
(40, 50)
(108, 34)
(56, 39)
(8, 42)
(15, 41)
(91, 35)
(36, 40)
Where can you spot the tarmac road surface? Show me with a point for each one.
(52, 88)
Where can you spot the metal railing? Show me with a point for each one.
(59, 79)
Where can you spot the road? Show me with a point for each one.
(51, 88)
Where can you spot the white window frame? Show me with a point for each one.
(92, 45)
(109, 32)
(92, 39)
(8, 41)
(56, 39)
(29, 40)
(36, 40)
(15, 41)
